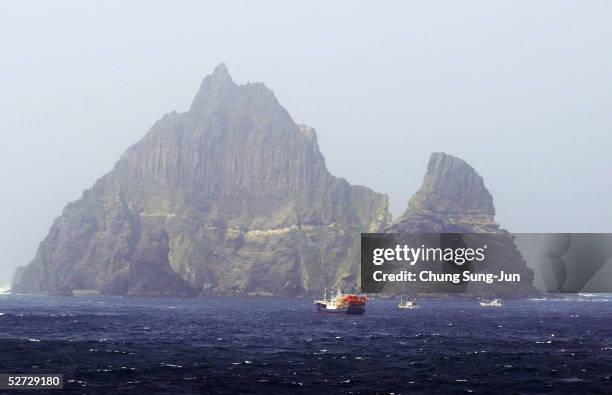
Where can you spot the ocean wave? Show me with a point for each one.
(230, 352)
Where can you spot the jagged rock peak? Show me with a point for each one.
(219, 93)
(214, 85)
(221, 71)
(220, 75)
(452, 186)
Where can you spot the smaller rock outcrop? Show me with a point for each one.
(454, 199)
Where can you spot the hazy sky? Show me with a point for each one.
(521, 90)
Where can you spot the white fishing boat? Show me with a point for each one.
(408, 304)
(491, 303)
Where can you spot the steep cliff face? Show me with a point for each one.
(230, 197)
(454, 199)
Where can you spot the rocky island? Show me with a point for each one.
(232, 197)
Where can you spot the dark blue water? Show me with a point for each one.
(110, 344)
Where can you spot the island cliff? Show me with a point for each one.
(230, 197)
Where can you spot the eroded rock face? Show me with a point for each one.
(454, 199)
(230, 197)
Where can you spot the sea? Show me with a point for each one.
(107, 344)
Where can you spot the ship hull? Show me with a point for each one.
(353, 310)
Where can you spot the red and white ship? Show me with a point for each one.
(341, 303)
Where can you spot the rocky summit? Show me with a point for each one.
(230, 197)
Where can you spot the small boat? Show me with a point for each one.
(341, 303)
(491, 303)
(409, 304)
